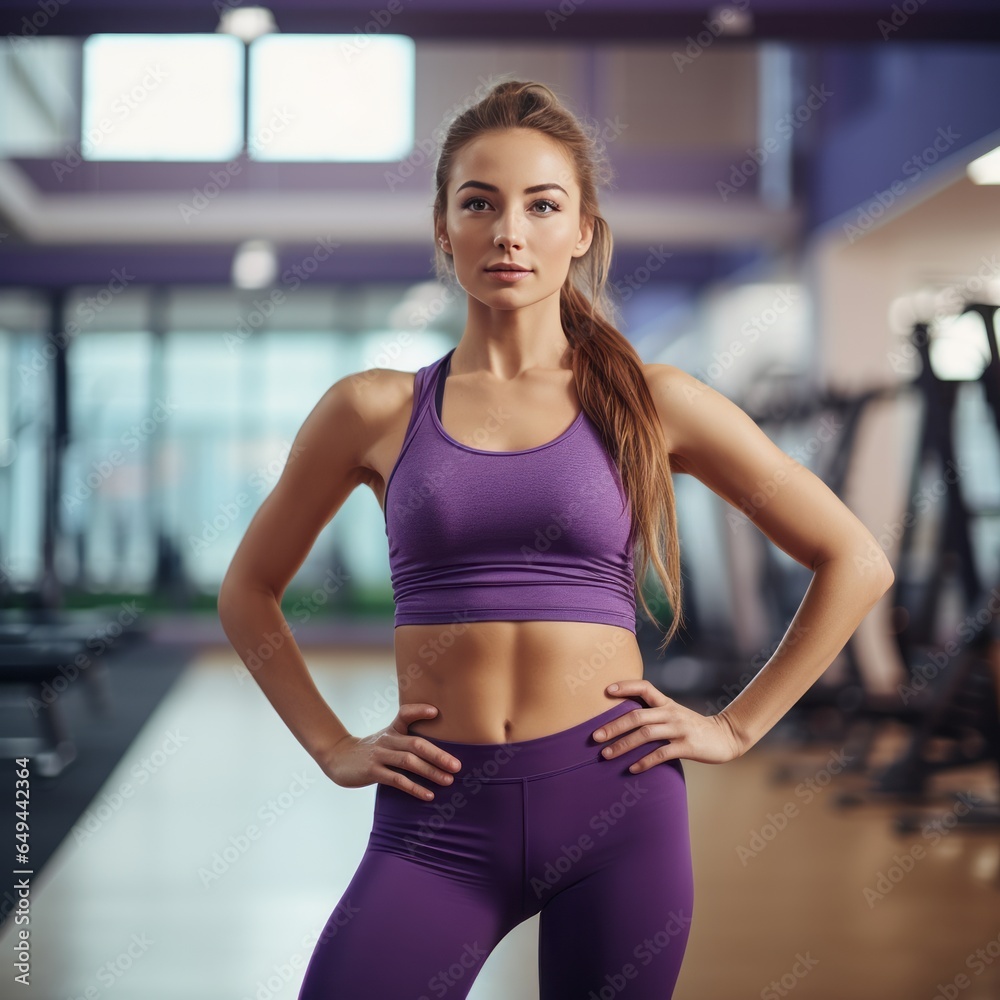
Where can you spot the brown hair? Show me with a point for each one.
(607, 370)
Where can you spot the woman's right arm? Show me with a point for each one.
(323, 468)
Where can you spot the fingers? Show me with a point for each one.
(421, 747)
(659, 756)
(419, 756)
(405, 784)
(417, 765)
(428, 751)
(640, 688)
(637, 736)
(622, 724)
(630, 689)
(410, 713)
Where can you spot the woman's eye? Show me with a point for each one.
(482, 201)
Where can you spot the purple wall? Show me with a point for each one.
(598, 20)
(898, 101)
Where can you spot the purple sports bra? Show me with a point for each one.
(479, 535)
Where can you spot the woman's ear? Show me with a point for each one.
(586, 237)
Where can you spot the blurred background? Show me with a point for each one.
(210, 212)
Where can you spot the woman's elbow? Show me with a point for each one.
(236, 588)
(227, 599)
(232, 595)
(867, 562)
(875, 570)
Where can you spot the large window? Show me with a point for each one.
(331, 97)
(308, 97)
(176, 436)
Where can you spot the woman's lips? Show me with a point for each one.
(509, 275)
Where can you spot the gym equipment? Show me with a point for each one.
(950, 695)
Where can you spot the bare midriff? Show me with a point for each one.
(507, 681)
(503, 681)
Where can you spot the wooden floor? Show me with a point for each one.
(212, 877)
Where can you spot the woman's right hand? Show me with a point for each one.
(356, 761)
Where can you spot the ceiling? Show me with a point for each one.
(679, 132)
(592, 20)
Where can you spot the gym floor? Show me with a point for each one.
(212, 875)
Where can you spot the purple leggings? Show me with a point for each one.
(544, 826)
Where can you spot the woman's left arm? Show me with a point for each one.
(711, 438)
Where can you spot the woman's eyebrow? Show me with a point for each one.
(527, 190)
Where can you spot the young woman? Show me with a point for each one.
(530, 768)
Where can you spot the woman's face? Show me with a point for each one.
(539, 229)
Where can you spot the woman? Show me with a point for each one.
(517, 474)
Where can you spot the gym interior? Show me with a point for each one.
(209, 213)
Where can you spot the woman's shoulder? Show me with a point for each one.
(686, 406)
(670, 384)
(372, 395)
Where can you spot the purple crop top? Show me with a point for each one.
(479, 535)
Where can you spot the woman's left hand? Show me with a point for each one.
(706, 738)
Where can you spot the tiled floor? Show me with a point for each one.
(216, 851)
